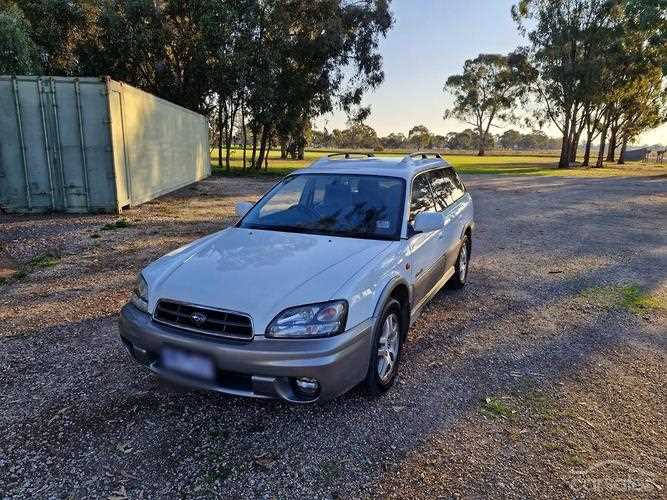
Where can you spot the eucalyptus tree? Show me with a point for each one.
(488, 91)
(311, 56)
(393, 141)
(588, 54)
(643, 106)
(57, 28)
(228, 28)
(568, 40)
(157, 46)
(18, 53)
(419, 137)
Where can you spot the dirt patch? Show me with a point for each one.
(538, 379)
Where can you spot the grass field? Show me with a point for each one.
(520, 164)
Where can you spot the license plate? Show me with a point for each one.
(188, 363)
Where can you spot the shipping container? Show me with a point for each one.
(93, 145)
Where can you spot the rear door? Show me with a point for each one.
(453, 202)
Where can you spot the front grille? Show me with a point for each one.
(203, 320)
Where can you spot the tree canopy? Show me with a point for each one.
(489, 88)
(588, 55)
(274, 63)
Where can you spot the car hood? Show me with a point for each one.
(259, 272)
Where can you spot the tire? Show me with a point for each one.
(460, 277)
(376, 383)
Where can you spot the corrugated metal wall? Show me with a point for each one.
(55, 145)
(85, 144)
(166, 146)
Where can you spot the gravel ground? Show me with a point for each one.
(544, 377)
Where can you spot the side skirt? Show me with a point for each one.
(416, 311)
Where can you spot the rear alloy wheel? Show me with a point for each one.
(462, 264)
(386, 350)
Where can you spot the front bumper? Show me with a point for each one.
(261, 368)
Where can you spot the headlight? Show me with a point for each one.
(140, 295)
(311, 321)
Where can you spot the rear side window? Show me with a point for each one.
(422, 200)
(447, 187)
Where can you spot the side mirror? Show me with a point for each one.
(242, 208)
(427, 222)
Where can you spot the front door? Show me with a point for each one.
(428, 250)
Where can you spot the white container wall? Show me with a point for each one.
(90, 144)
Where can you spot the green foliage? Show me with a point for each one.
(18, 53)
(61, 29)
(629, 297)
(487, 91)
(536, 140)
(39, 262)
(419, 137)
(497, 408)
(20, 274)
(42, 261)
(590, 55)
(468, 139)
(119, 224)
(156, 46)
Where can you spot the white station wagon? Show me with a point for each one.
(313, 291)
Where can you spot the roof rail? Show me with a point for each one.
(424, 155)
(349, 155)
(345, 156)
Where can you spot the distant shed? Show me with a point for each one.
(93, 145)
(637, 154)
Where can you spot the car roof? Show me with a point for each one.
(402, 167)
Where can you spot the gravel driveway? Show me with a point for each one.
(544, 377)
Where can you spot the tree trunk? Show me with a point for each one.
(574, 147)
(283, 151)
(481, 151)
(245, 134)
(219, 134)
(621, 155)
(224, 123)
(262, 147)
(587, 151)
(254, 147)
(564, 161)
(603, 141)
(229, 136)
(611, 155)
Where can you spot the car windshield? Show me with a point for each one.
(360, 206)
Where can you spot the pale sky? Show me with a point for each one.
(431, 39)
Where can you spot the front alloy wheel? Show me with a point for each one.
(387, 353)
(463, 263)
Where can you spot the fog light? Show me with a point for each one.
(307, 386)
